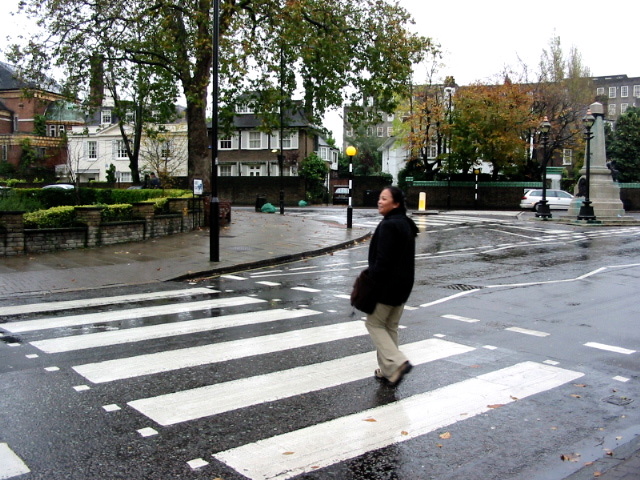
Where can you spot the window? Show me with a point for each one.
(4, 153)
(567, 156)
(225, 143)
(612, 109)
(600, 91)
(245, 108)
(123, 176)
(324, 153)
(121, 151)
(624, 92)
(255, 140)
(389, 131)
(432, 151)
(380, 131)
(623, 108)
(165, 150)
(349, 132)
(390, 117)
(105, 117)
(612, 92)
(636, 90)
(369, 131)
(62, 131)
(225, 170)
(92, 149)
(52, 130)
(254, 171)
(130, 116)
(288, 140)
(15, 123)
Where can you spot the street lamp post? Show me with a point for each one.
(281, 154)
(351, 151)
(214, 207)
(586, 210)
(542, 209)
(449, 92)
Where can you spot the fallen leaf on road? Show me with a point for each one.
(288, 453)
(496, 405)
(445, 435)
(570, 458)
(370, 420)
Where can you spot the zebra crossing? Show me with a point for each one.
(280, 456)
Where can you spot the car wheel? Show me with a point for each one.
(535, 207)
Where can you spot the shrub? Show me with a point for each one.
(117, 212)
(56, 217)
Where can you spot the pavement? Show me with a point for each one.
(251, 240)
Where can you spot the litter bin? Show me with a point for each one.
(260, 201)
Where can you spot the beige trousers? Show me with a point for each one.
(382, 325)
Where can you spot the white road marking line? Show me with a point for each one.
(451, 297)
(96, 302)
(460, 319)
(609, 348)
(621, 379)
(82, 388)
(147, 432)
(290, 454)
(132, 313)
(526, 331)
(151, 332)
(269, 284)
(118, 369)
(306, 289)
(10, 464)
(551, 362)
(232, 277)
(290, 274)
(111, 407)
(346, 297)
(211, 400)
(197, 463)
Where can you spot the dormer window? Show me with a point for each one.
(105, 117)
(245, 108)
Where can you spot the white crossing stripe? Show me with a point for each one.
(96, 302)
(150, 332)
(103, 317)
(609, 348)
(461, 319)
(305, 450)
(526, 331)
(153, 363)
(211, 400)
(10, 464)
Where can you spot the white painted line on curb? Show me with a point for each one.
(609, 348)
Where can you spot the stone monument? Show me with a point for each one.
(604, 192)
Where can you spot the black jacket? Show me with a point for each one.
(392, 258)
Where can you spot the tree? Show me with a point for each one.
(561, 92)
(314, 171)
(624, 150)
(271, 48)
(491, 123)
(164, 152)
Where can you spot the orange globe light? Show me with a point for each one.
(351, 151)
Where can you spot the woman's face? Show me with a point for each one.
(386, 203)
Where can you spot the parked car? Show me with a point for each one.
(60, 186)
(341, 195)
(556, 199)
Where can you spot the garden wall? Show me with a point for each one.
(16, 240)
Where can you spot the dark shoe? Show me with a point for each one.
(398, 375)
(379, 376)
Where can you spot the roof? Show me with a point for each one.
(11, 80)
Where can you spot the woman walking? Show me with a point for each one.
(391, 268)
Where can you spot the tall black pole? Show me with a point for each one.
(281, 155)
(351, 151)
(214, 210)
(449, 91)
(542, 209)
(586, 210)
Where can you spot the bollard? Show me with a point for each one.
(422, 202)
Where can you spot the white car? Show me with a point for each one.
(60, 186)
(556, 199)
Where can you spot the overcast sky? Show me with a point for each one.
(480, 38)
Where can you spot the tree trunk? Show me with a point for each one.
(198, 146)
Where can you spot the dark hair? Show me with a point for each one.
(398, 197)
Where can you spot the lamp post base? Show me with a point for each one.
(349, 217)
(542, 210)
(586, 211)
